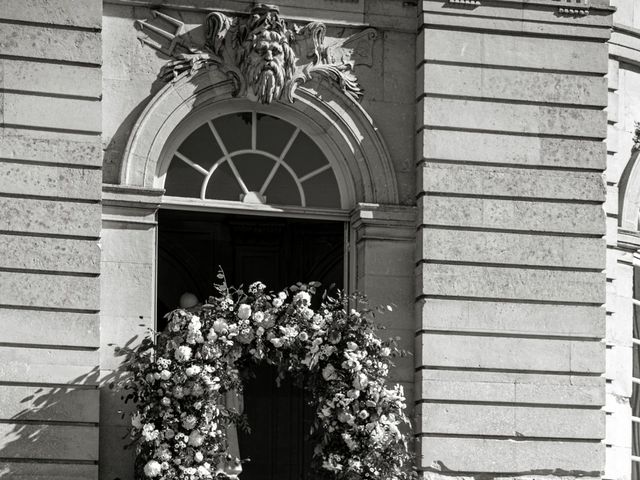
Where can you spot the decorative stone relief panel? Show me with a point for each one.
(261, 53)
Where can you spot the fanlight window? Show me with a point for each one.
(252, 158)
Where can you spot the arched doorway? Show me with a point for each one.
(251, 159)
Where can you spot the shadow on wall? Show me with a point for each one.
(54, 433)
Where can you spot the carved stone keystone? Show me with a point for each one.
(266, 59)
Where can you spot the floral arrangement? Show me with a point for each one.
(179, 381)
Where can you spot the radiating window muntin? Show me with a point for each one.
(252, 157)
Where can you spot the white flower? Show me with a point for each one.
(149, 432)
(282, 295)
(189, 422)
(277, 302)
(352, 346)
(277, 342)
(193, 370)
(220, 326)
(304, 336)
(195, 324)
(385, 351)
(307, 313)
(258, 317)
(329, 373)
(152, 468)
(302, 297)
(244, 311)
(165, 374)
(165, 401)
(196, 438)
(183, 353)
(361, 381)
(198, 457)
(204, 471)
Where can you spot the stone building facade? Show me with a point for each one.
(485, 180)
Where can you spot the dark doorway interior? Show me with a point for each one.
(278, 252)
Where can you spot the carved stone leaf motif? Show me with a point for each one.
(264, 57)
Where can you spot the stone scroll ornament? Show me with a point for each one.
(265, 58)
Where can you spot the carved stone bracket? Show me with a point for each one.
(465, 2)
(575, 8)
(265, 58)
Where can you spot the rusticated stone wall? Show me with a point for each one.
(510, 275)
(50, 181)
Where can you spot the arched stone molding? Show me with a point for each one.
(339, 125)
(629, 207)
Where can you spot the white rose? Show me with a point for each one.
(198, 457)
(329, 373)
(258, 317)
(152, 468)
(361, 381)
(302, 297)
(183, 353)
(220, 326)
(189, 422)
(165, 374)
(244, 311)
(277, 302)
(196, 438)
(282, 296)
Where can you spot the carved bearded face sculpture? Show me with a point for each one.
(268, 64)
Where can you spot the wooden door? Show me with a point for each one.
(278, 252)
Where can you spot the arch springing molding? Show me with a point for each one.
(264, 57)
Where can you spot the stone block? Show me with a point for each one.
(59, 404)
(510, 283)
(115, 461)
(49, 442)
(515, 9)
(514, 51)
(399, 54)
(51, 78)
(49, 291)
(510, 455)
(50, 181)
(618, 463)
(619, 370)
(50, 217)
(528, 354)
(509, 421)
(51, 147)
(55, 12)
(46, 43)
(49, 254)
(52, 112)
(41, 327)
(511, 117)
(509, 248)
(524, 215)
(496, 83)
(40, 365)
(117, 332)
(511, 182)
(619, 425)
(506, 318)
(383, 257)
(128, 244)
(511, 149)
(514, 26)
(21, 470)
(128, 290)
(510, 388)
